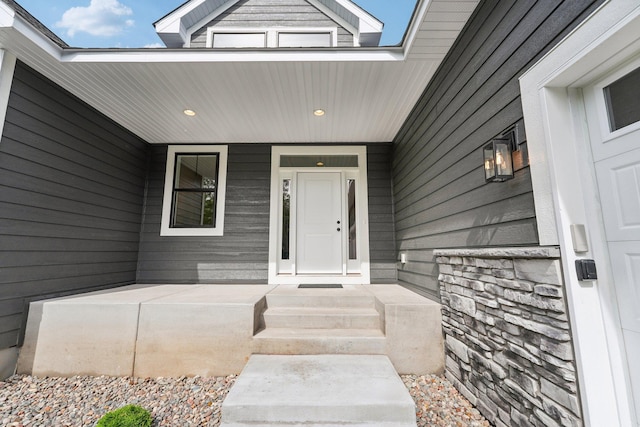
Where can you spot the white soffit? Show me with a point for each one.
(250, 96)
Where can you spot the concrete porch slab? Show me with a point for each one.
(88, 334)
(205, 330)
(176, 330)
(318, 391)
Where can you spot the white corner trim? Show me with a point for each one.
(218, 230)
(7, 68)
(563, 190)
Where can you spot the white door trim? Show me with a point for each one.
(565, 193)
(362, 209)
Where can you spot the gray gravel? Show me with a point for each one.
(182, 402)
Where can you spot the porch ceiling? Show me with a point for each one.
(250, 96)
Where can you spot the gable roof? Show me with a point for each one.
(175, 28)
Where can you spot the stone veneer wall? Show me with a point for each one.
(508, 340)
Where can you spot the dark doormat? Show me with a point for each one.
(320, 286)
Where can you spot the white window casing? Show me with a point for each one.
(238, 40)
(218, 230)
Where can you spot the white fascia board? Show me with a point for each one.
(204, 21)
(415, 24)
(341, 21)
(169, 29)
(213, 56)
(43, 42)
(169, 22)
(7, 16)
(368, 22)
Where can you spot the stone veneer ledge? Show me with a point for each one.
(508, 343)
(513, 252)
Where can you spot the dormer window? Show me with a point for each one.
(299, 39)
(315, 24)
(271, 37)
(238, 40)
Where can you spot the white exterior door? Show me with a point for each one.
(319, 223)
(319, 216)
(616, 154)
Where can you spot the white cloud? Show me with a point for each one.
(101, 18)
(153, 45)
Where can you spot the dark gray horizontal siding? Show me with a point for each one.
(382, 242)
(241, 255)
(71, 197)
(441, 200)
(272, 13)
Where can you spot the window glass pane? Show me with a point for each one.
(313, 161)
(623, 100)
(196, 171)
(194, 195)
(286, 217)
(351, 200)
(239, 40)
(194, 209)
(304, 39)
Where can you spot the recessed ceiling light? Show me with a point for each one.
(319, 112)
(189, 112)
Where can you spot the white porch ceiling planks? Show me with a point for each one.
(254, 96)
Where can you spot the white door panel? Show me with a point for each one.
(619, 182)
(625, 264)
(319, 236)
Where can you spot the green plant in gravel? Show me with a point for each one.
(127, 416)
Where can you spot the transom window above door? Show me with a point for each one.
(271, 37)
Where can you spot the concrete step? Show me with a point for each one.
(319, 341)
(354, 296)
(326, 390)
(322, 318)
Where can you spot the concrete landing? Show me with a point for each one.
(320, 390)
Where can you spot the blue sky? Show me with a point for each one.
(128, 23)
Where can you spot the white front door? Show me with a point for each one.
(319, 217)
(616, 154)
(319, 223)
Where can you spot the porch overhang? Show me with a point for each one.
(244, 96)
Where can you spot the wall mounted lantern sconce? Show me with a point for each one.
(498, 159)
